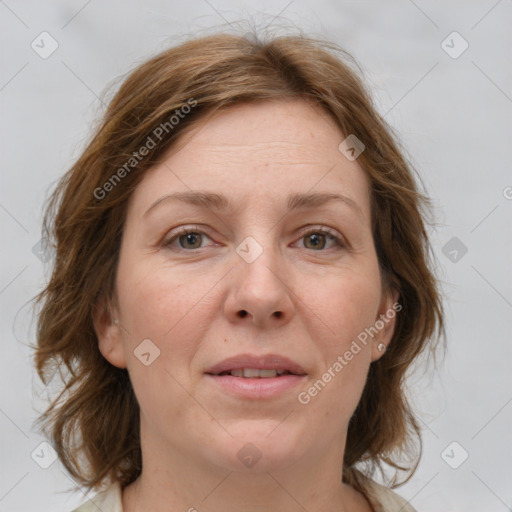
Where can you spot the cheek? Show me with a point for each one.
(151, 303)
(167, 306)
(154, 298)
(348, 305)
(345, 305)
(160, 305)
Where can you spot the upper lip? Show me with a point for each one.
(263, 362)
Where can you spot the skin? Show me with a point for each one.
(303, 300)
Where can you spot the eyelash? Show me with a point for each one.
(186, 231)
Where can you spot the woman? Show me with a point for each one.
(241, 283)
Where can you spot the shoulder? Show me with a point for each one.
(108, 500)
(383, 499)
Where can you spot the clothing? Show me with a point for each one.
(381, 499)
(108, 500)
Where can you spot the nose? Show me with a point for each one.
(261, 292)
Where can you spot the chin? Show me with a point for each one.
(261, 446)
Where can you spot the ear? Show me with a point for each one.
(108, 332)
(385, 322)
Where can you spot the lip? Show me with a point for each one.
(257, 388)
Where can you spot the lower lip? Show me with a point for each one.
(257, 387)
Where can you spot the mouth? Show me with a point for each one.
(256, 377)
(255, 373)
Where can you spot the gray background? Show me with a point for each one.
(454, 116)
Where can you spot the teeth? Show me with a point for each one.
(268, 373)
(252, 373)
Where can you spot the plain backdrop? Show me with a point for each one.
(448, 94)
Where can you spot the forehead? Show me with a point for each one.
(280, 131)
(265, 150)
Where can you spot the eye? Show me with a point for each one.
(316, 239)
(192, 238)
(187, 239)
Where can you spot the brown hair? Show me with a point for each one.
(94, 423)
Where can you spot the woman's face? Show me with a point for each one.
(271, 277)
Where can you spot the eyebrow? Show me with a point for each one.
(215, 201)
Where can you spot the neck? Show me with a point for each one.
(176, 481)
